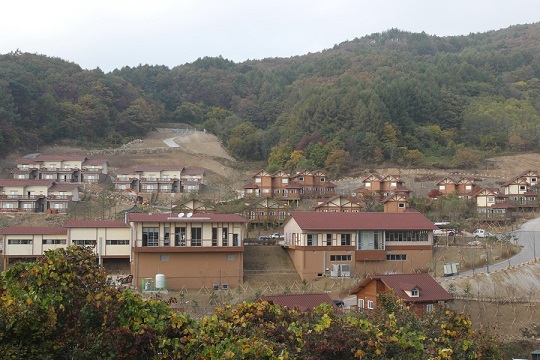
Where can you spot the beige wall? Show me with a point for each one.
(188, 269)
(35, 249)
(105, 234)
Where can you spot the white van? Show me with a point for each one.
(481, 233)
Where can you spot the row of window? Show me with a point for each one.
(369, 240)
(150, 236)
(252, 214)
(64, 241)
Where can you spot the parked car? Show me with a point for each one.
(263, 237)
(481, 233)
(276, 236)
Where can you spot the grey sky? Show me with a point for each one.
(115, 33)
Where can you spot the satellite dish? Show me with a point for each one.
(180, 215)
(189, 215)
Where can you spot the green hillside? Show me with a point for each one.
(394, 97)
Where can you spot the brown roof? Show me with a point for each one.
(94, 162)
(142, 168)
(28, 230)
(301, 302)
(205, 218)
(193, 171)
(25, 182)
(95, 224)
(361, 221)
(31, 159)
(429, 288)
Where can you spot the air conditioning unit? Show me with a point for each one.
(225, 286)
(215, 286)
(345, 270)
(335, 271)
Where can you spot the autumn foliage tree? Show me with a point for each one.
(61, 307)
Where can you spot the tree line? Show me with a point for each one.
(397, 97)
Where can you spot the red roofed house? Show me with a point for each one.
(36, 195)
(159, 179)
(28, 243)
(61, 168)
(338, 203)
(282, 186)
(352, 244)
(420, 292)
(192, 251)
(301, 302)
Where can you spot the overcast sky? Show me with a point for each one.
(115, 33)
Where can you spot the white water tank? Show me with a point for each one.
(160, 281)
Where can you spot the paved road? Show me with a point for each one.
(528, 237)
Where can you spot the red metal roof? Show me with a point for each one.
(95, 224)
(206, 218)
(301, 302)
(429, 288)
(361, 221)
(25, 182)
(39, 230)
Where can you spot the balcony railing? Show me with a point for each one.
(21, 197)
(194, 243)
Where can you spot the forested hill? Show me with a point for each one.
(397, 97)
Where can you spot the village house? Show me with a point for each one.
(420, 292)
(110, 239)
(159, 179)
(194, 206)
(266, 211)
(291, 188)
(191, 251)
(358, 243)
(492, 206)
(463, 188)
(338, 203)
(61, 168)
(382, 186)
(522, 191)
(396, 202)
(36, 196)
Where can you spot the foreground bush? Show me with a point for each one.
(61, 307)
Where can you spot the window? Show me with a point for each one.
(310, 238)
(401, 205)
(281, 215)
(214, 236)
(20, 241)
(84, 242)
(490, 199)
(301, 178)
(406, 235)
(224, 237)
(360, 303)
(117, 242)
(150, 236)
(196, 236)
(368, 184)
(284, 181)
(468, 187)
(429, 307)
(370, 304)
(54, 241)
(340, 257)
(272, 213)
(329, 239)
(521, 187)
(345, 239)
(251, 215)
(323, 179)
(180, 236)
(276, 191)
(415, 293)
(258, 180)
(442, 187)
(266, 191)
(396, 257)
